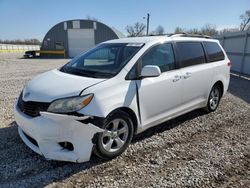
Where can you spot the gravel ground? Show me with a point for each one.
(194, 150)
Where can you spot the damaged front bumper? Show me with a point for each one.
(46, 133)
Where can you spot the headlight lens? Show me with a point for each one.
(72, 104)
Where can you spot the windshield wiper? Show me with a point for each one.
(62, 69)
(97, 74)
(87, 73)
(80, 73)
(106, 74)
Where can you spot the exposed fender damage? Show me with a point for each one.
(49, 129)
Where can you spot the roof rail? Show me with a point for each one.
(189, 35)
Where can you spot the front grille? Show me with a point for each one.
(32, 108)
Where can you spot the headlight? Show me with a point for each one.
(71, 104)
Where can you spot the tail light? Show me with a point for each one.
(229, 64)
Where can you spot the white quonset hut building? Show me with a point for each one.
(77, 36)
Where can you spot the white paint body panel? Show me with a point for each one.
(80, 40)
(55, 84)
(49, 129)
(152, 100)
(150, 71)
(155, 106)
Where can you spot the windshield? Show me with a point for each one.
(104, 61)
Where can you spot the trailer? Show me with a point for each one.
(37, 53)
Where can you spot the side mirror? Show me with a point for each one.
(150, 71)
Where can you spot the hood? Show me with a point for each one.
(54, 84)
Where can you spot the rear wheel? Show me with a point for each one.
(214, 98)
(118, 134)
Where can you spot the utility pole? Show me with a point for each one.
(148, 16)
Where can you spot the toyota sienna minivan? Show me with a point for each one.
(100, 99)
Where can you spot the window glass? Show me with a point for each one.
(59, 45)
(104, 61)
(103, 56)
(161, 55)
(191, 53)
(214, 51)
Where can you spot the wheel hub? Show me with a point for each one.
(115, 135)
(214, 99)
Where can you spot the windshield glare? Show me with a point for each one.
(104, 61)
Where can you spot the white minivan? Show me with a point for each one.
(98, 101)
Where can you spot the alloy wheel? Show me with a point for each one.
(214, 98)
(115, 135)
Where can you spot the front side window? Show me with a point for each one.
(104, 61)
(161, 55)
(214, 51)
(190, 53)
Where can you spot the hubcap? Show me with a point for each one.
(115, 135)
(214, 98)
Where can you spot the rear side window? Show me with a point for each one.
(214, 51)
(190, 53)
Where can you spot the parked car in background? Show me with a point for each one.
(99, 100)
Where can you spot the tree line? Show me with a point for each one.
(138, 29)
(23, 42)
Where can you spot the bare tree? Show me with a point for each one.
(245, 21)
(136, 30)
(179, 30)
(159, 30)
(194, 31)
(209, 30)
(91, 18)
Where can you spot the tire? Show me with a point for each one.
(119, 131)
(214, 98)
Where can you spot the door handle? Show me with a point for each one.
(176, 78)
(187, 75)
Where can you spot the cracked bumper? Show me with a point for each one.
(49, 129)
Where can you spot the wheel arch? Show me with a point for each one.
(220, 85)
(131, 113)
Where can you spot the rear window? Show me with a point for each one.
(191, 53)
(214, 51)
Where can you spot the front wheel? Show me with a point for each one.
(214, 99)
(117, 136)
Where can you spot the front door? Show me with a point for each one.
(159, 97)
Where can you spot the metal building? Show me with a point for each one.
(77, 36)
(237, 46)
